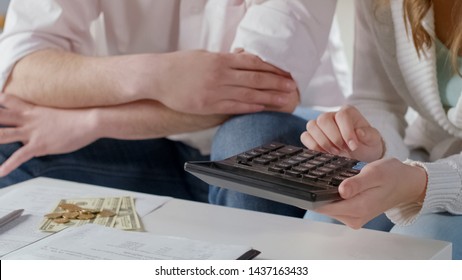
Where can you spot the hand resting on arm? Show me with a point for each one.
(197, 82)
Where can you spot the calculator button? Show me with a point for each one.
(273, 146)
(308, 165)
(291, 162)
(318, 174)
(283, 165)
(293, 173)
(245, 157)
(277, 154)
(301, 169)
(254, 153)
(336, 180)
(269, 157)
(347, 174)
(325, 170)
(289, 150)
(275, 169)
(310, 177)
(261, 161)
(316, 162)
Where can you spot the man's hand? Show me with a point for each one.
(293, 99)
(201, 82)
(41, 130)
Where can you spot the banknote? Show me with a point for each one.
(127, 219)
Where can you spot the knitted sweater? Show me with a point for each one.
(390, 77)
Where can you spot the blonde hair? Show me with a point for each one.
(414, 13)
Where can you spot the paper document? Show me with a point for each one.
(95, 242)
(38, 199)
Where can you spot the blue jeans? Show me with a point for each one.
(149, 166)
(245, 132)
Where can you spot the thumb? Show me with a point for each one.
(357, 184)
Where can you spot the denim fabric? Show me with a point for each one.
(245, 132)
(381, 222)
(149, 166)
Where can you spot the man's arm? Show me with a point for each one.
(148, 119)
(46, 131)
(187, 81)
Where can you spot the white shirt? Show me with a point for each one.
(291, 34)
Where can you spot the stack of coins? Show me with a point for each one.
(73, 211)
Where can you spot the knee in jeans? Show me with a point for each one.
(245, 132)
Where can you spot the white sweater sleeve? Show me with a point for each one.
(34, 25)
(444, 191)
(291, 34)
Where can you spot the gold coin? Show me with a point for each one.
(71, 215)
(54, 215)
(61, 220)
(106, 213)
(85, 216)
(70, 207)
(92, 211)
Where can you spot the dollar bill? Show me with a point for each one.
(127, 219)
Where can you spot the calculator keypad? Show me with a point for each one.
(300, 164)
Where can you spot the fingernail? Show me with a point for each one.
(344, 192)
(291, 85)
(352, 145)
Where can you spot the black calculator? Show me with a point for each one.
(284, 173)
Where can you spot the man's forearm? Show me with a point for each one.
(147, 119)
(60, 79)
(185, 81)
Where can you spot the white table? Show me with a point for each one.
(278, 237)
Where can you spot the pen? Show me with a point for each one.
(10, 217)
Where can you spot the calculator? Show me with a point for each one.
(289, 174)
